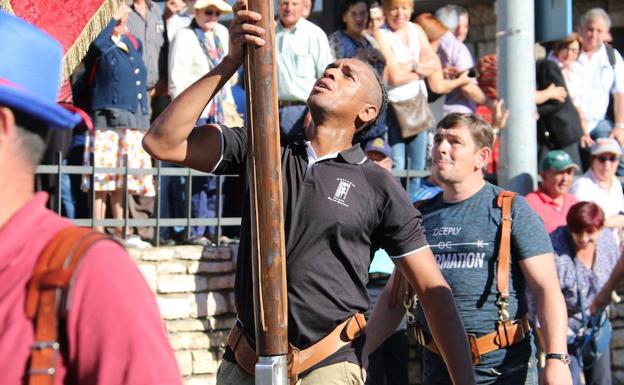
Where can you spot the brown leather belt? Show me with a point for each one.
(298, 360)
(506, 334)
(290, 103)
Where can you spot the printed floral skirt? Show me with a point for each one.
(108, 148)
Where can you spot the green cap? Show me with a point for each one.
(558, 160)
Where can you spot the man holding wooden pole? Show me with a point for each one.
(337, 204)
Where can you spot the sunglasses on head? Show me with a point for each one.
(212, 12)
(607, 158)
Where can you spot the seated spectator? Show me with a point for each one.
(376, 15)
(552, 201)
(120, 115)
(379, 152)
(600, 185)
(585, 256)
(181, 16)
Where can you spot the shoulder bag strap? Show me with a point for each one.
(504, 201)
(46, 290)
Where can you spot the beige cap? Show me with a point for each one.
(219, 4)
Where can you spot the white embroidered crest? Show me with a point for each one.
(340, 196)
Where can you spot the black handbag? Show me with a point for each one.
(413, 115)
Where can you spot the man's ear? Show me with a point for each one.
(484, 156)
(367, 113)
(7, 124)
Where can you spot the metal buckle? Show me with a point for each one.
(503, 314)
(41, 345)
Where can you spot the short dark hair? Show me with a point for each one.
(33, 134)
(585, 216)
(344, 8)
(480, 130)
(361, 133)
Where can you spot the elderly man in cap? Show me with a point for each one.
(84, 343)
(552, 201)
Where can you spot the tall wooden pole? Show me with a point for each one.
(265, 172)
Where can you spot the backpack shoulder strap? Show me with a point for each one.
(504, 201)
(610, 54)
(47, 289)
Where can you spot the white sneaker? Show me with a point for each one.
(135, 242)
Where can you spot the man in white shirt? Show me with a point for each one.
(601, 77)
(302, 55)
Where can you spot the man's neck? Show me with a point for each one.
(327, 140)
(141, 7)
(457, 192)
(290, 26)
(558, 199)
(591, 52)
(14, 197)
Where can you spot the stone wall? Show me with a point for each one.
(194, 290)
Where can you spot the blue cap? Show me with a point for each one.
(379, 145)
(30, 72)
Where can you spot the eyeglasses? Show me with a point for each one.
(571, 50)
(212, 12)
(605, 158)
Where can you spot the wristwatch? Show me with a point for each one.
(565, 357)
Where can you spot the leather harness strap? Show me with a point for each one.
(48, 288)
(507, 334)
(298, 360)
(504, 201)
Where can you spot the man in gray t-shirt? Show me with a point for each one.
(463, 227)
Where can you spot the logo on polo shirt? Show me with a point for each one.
(340, 196)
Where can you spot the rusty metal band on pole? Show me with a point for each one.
(265, 179)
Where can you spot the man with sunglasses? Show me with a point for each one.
(600, 185)
(337, 205)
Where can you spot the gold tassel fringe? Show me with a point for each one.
(6, 6)
(78, 49)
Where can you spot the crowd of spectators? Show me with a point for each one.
(145, 57)
(162, 51)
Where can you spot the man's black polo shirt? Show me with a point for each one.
(334, 211)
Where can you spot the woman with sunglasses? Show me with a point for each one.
(586, 254)
(600, 185)
(194, 51)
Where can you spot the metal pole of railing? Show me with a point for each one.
(158, 201)
(219, 181)
(59, 176)
(125, 197)
(187, 204)
(408, 174)
(92, 192)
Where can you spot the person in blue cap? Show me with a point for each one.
(107, 290)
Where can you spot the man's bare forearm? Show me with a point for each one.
(167, 137)
(383, 320)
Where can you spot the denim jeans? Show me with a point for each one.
(598, 374)
(291, 122)
(524, 373)
(203, 203)
(413, 149)
(67, 199)
(171, 201)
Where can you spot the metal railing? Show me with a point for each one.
(157, 222)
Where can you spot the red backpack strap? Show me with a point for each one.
(47, 289)
(504, 201)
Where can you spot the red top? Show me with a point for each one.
(115, 332)
(551, 213)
